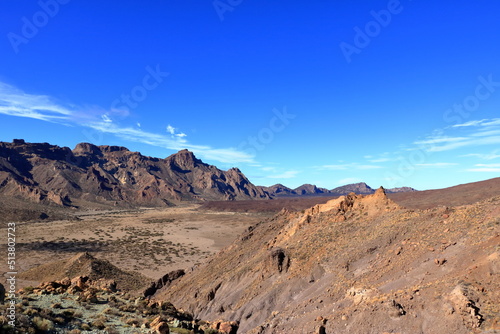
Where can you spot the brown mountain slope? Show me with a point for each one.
(458, 195)
(50, 174)
(357, 264)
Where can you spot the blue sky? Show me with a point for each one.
(392, 93)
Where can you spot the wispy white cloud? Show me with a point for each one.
(481, 123)
(15, 102)
(473, 133)
(381, 159)
(433, 141)
(470, 123)
(488, 165)
(484, 156)
(289, 174)
(486, 133)
(170, 129)
(106, 119)
(486, 168)
(437, 165)
(348, 166)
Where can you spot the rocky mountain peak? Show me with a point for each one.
(380, 192)
(184, 159)
(86, 149)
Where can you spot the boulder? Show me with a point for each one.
(162, 328)
(228, 327)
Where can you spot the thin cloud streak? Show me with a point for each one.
(290, 174)
(437, 165)
(348, 166)
(14, 102)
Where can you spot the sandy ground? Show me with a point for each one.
(150, 241)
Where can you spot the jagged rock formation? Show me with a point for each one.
(356, 264)
(45, 173)
(163, 282)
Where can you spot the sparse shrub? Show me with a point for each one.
(133, 322)
(43, 324)
(77, 314)
(98, 324)
(56, 305)
(85, 327)
(69, 313)
(211, 331)
(59, 320)
(28, 289)
(75, 331)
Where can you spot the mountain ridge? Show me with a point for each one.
(312, 190)
(90, 174)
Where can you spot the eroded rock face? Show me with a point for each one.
(2, 294)
(164, 281)
(278, 260)
(47, 173)
(465, 301)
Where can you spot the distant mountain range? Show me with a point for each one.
(279, 190)
(113, 175)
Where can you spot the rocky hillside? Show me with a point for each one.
(356, 264)
(45, 173)
(84, 305)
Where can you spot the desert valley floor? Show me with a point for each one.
(150, 241)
